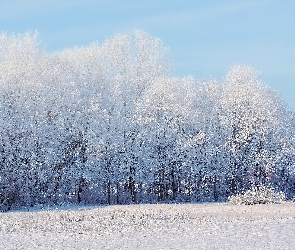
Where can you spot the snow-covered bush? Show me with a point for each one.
(7, 199)
(258, 195)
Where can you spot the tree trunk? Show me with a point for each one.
(109, 192)
(215, 189)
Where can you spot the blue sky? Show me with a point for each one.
(206, 38)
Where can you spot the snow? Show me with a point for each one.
(159, 226)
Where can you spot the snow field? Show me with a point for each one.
(161, 226)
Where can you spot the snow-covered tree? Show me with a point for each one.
(108, 124)
(252, 113)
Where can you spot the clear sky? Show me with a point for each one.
(206, 38)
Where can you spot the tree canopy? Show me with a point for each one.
(109, 124)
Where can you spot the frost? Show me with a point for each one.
(108, 124)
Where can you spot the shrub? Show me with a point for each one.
(7, 199)
(258, 195)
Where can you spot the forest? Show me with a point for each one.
(109, 124)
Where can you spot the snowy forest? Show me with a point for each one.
(109, 124)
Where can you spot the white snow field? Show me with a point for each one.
(161, 226)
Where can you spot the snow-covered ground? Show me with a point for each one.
(162, 226)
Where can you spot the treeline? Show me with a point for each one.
(109, 125)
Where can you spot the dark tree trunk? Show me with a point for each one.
(215, 189)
